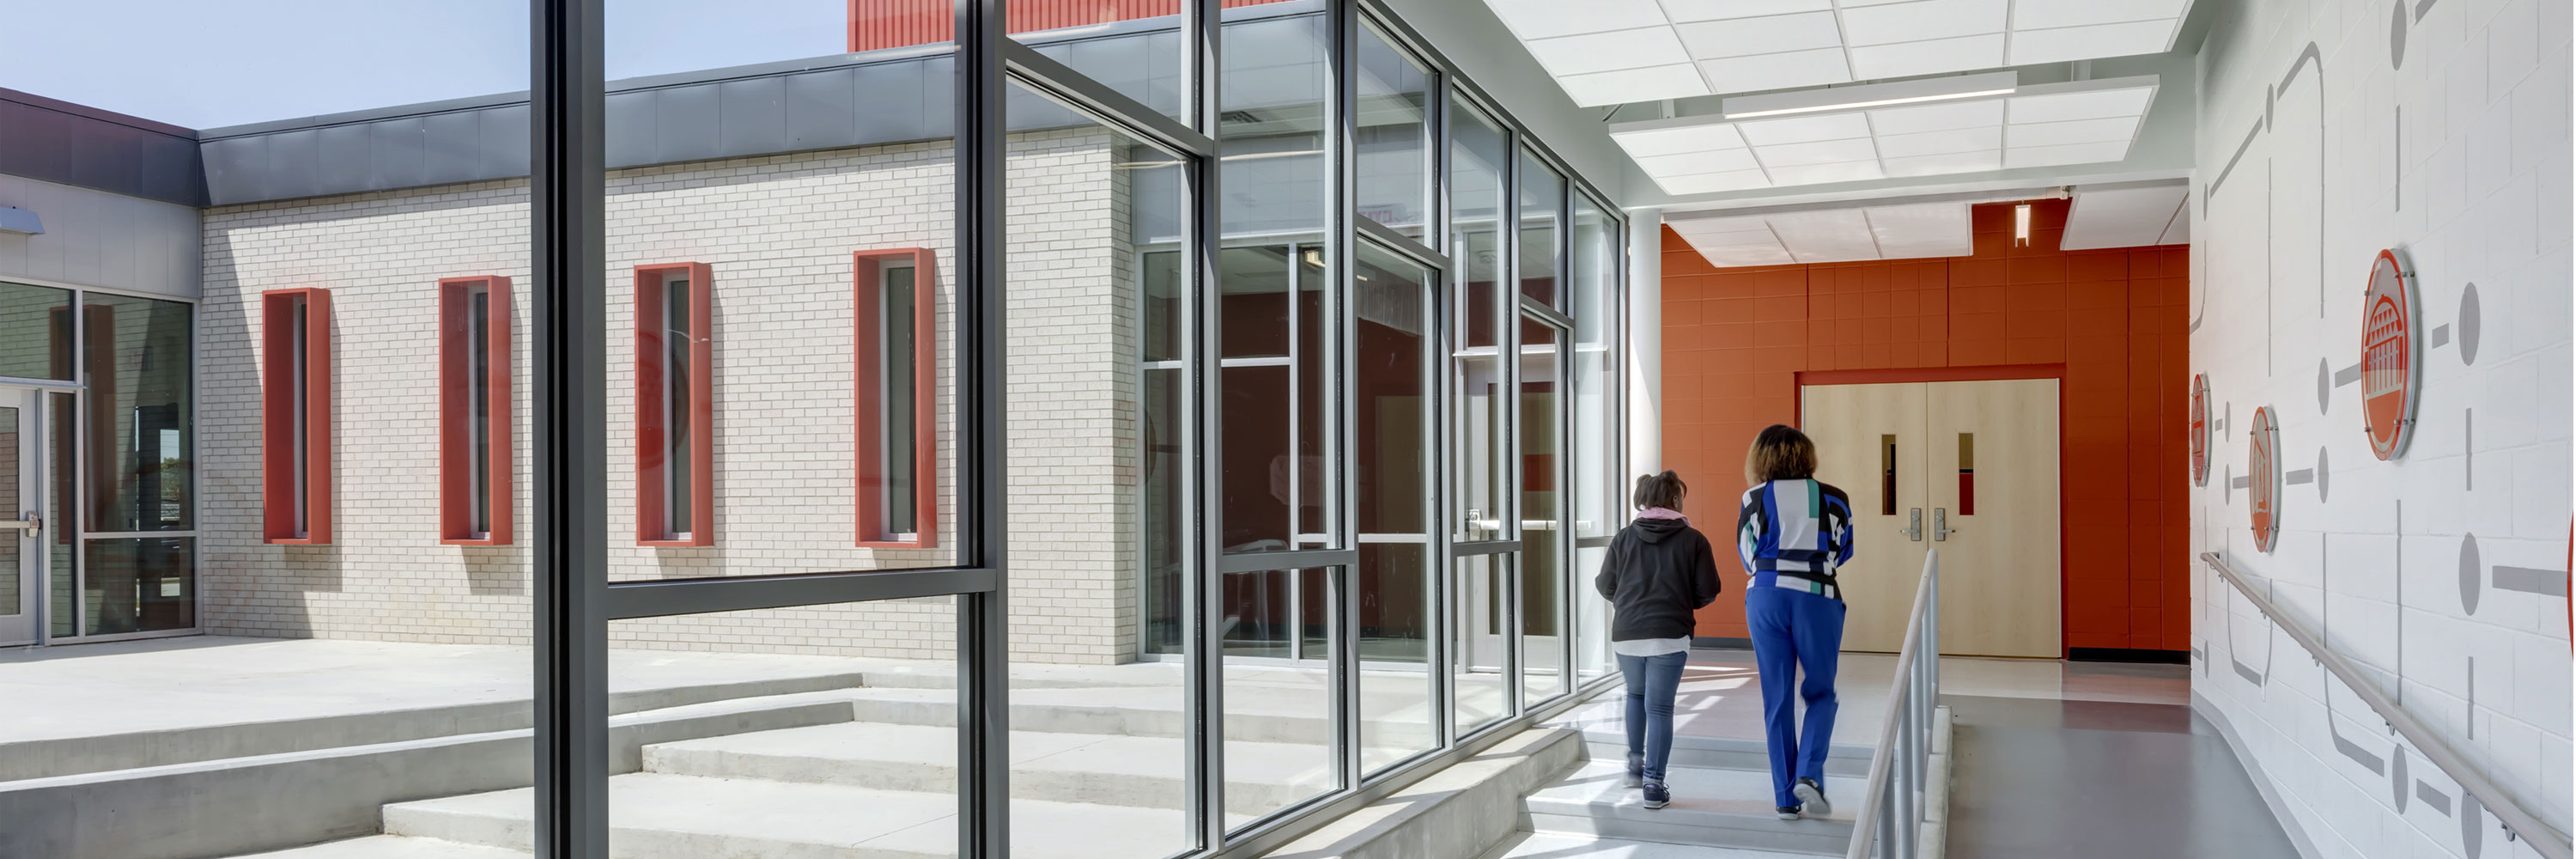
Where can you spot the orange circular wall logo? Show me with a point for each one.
(2388, 358)
(2199, 431)
(2263, 479)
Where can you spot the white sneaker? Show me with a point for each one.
(1811, 797)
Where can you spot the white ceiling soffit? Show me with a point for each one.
(1910, 231)
(1606, 52)
(2127, 216)
(2079, 122)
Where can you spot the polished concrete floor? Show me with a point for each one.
(2118, 768)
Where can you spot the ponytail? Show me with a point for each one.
(1663, 489)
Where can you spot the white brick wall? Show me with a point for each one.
(778, 232)
(2454, 152)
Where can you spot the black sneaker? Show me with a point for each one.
(1657, 796)
(1811, 797)
(1636, 770)
(1787, 812)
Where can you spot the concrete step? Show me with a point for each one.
(1136, 772)
(1279, 717)
(391, 847)
(1711, 807)
(1611, 744)
(659, 816)
(1530, 845)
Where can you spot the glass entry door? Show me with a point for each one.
(22, 512)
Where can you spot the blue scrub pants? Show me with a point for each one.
(1791, 630)
(1652, 683)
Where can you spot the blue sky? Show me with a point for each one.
(210, 63)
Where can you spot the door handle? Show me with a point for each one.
(27, 522)
(1914, 526)
(1941, 529)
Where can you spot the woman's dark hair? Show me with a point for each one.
(1781, 452)
(1664, 490)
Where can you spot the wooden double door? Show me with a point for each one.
(1969, 468)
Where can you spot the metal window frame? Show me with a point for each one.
(573, 601)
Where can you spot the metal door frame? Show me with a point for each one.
(28, 626)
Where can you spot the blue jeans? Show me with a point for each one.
(1791, 630)
(1652, 683)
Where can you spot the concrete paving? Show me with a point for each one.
(1528, 845)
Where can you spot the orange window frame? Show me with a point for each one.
(651, 487)
(279, 418)
(456, 411)
(869, 410)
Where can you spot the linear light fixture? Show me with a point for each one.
(2021, 225)
(1870, 95)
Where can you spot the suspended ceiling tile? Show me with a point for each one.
(1939, 165)
(1620, 87)
(1922, 19)
(1922, 230)
(1610, 51)
(2044, 14)
(1674, 141)
(1539, 19)
(1985, 50)
(2117, 128)
(1981, 113)
(2091, 104)
(1831, 232)
(1692, 163)
(1941, 142)
(2073, 153)
(2099, 40)
(2121, 217)
(1817, 174)
(1803, 129)
(1709, 10)
(1769, 34)
(2178, 231)
(1818, 152)
(1710, 183)
(1777, 71)
(1746, 255)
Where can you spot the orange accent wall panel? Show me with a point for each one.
(295, 416)
(1738, 340)
(456, 409)
(868, 322)
(653, 423)
(879, 24)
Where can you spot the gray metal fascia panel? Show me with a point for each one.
(341, 157)
(684, 124)
(631, 128)
(504, 152)
(938, 99)
(751, 116)
(821, 109)
(394, 154)
(888, 104)
(449, 144)
(233, 167)
(291, 171)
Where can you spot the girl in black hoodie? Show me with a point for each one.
(1659, 572)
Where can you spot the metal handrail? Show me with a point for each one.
(2517, 820)
(1890, 816)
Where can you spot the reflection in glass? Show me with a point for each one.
(1542, 457)
(62, 595)
(1542, 198)
(1478, 153)
(1392, 384)
(1476, 645)
(1278, 721)
(1393, 157)
(1596, 490)
(35, 332)
(141, 414)
(145, 584)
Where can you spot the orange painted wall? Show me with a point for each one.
(1735, 340)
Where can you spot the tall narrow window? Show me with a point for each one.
(295, 414)
(1887, 475)
(474, 411)
(674, 453)
(892, 433)
(1967, 474)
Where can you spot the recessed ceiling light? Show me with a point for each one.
(2021, 225)
(1870, 95)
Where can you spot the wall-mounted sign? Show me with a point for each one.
(2199, 431)
(2388, 384)
(2263, 479)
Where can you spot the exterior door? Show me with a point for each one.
(1869, 443)
(1995, 516)
(1969, 468)
(22, 513)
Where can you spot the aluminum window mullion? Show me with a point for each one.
(983, 628)
(1407, 246)
(1044, 74)
(1507, 373)
(1204, 250)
